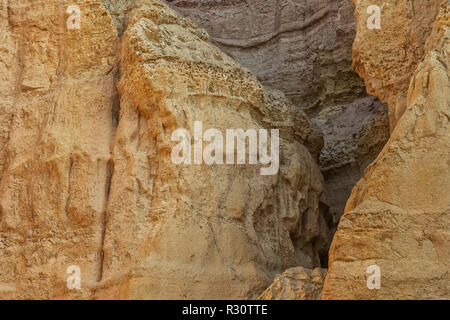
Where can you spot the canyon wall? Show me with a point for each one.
(86, 176)
(304, 49)
(88, 116)
(202, 231)
(387, 58)
(57, 107)
(398, 215)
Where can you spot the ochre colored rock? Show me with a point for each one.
(81, 185)
(398, 215)
(296, 284)
(87, 180)
(304, 49)
(57, 100)
(200, 231)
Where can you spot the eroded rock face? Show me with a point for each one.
(387, 66)
(304, 49)
(296, 284)
(81, 186)
(200, 231)
(398, 215)
(353, 138)
(56, 121)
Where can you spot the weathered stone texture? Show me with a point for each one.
(56, 106)
(296, 284)
(304, 49)
(398, 215)
(81, 185)
(199, 231)
(388, 65)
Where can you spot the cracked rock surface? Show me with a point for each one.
(304, 49)
(86, 176)
(56, 130)
(398, 215)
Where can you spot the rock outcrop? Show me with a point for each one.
(387, 66)
(304, 49)
(81, 185)
(201, 231)
(296, 284)
(57, 102)
(88, 182)
(398, 215)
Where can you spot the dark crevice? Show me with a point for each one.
(101, 253)
(115, 110)
(69, 184)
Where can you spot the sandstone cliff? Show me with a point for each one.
(304, 49)
(82, 185)
(201, 231)
(398, 215)
(387, 65)
(57, 123)
(87, 179)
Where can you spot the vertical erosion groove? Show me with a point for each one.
(101, 253)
